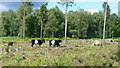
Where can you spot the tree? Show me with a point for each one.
(38, 25)
(0, 24)
(118, 27)
(81, 21)
(53, 25)
(5, 24)
(107, 12)
(8, 23)
(72, 32)
(96, 25)
(43, 17)
(0, 27)
(32, 25)
(105, 7)
(81, 24)
(27, 8)
(12, 18)
(67, 3)
(111, 26)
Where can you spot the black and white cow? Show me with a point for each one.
(37, 42)
(10, 44)
(55, 42)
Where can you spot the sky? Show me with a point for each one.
(87, 5)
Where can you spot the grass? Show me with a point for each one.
(16, 39)
(83, 55)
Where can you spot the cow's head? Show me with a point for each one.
(60, 41)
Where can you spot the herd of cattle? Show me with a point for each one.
(57, 42)
(34, 42)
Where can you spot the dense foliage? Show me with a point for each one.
(81, 24)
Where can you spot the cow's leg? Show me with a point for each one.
(50, 44)
(58, 45)
(40, 44)
(32, 45)
(54, 45)
(102, 45)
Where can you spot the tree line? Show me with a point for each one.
(50, 23)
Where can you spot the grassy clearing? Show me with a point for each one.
(84, 54)
(17, 39)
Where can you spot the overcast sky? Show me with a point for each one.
(88, 5)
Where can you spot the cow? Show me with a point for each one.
(37, 42)
(55, 42)
(109, 40)
(96, 42)
(10, 44)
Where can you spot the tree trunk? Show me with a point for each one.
(105, 22)
(24, 26)
(78, 34)
(41, 29)
(66, 14)
(52, 34)
(0, 25)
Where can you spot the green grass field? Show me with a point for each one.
(85, 54)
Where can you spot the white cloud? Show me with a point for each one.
(3, 8)
(92, 10)
(95, 10)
